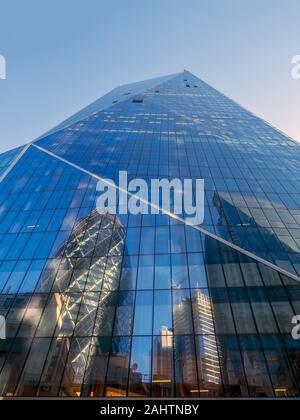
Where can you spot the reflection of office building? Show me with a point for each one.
(247, 228)
(209, 362)
(207, 350)
(142, 305)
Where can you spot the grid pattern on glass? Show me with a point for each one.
(117, 95)
(7, 158)
(139, 306)
(251, 171)
(100, 314)
(219, 327)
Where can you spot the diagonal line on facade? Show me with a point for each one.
(14, 162)
(173, 216)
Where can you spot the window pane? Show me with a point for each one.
(162, 369)
(281, 374)
(87, 314)
(94, 380)
(75, 368)
(54, 367)
(69, 314)
(95, 275)
(162, 240)
(177, 239)
(28, 384)
(32, 277)
(124, 313)
(255, 367)
(147, 240)
(162, 313)
(105, 314)
(185, 367)
(180, 277)
(140, 367)
(145, 273)
(222, 311)
(143, 313)
(32, 315)
(202, 312)
(16, 278)
(209, 369)
(50, 316)
(13, 367)
(16, 312)
(117, 374)
(132, 241)
(197, 271)
(129, 273)
(233, 374)
(263, 314)
(182, 312)
(162, 272)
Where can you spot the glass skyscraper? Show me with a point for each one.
(146, 305)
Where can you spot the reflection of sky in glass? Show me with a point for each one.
(143, 305)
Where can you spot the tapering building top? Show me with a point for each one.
(148, 306)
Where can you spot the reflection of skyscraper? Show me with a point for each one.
(208, 362)
(247, 229)
(207, 350)
(93, 237)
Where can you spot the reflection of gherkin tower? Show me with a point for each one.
(92, 263)
(95, 236)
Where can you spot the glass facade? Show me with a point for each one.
(146, 306)
(7, 159)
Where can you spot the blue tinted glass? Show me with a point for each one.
(143, 305)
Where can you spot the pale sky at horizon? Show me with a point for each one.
(62, 55)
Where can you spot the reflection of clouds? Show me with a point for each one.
(69, 220)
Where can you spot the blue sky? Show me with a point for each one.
(63, 54)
